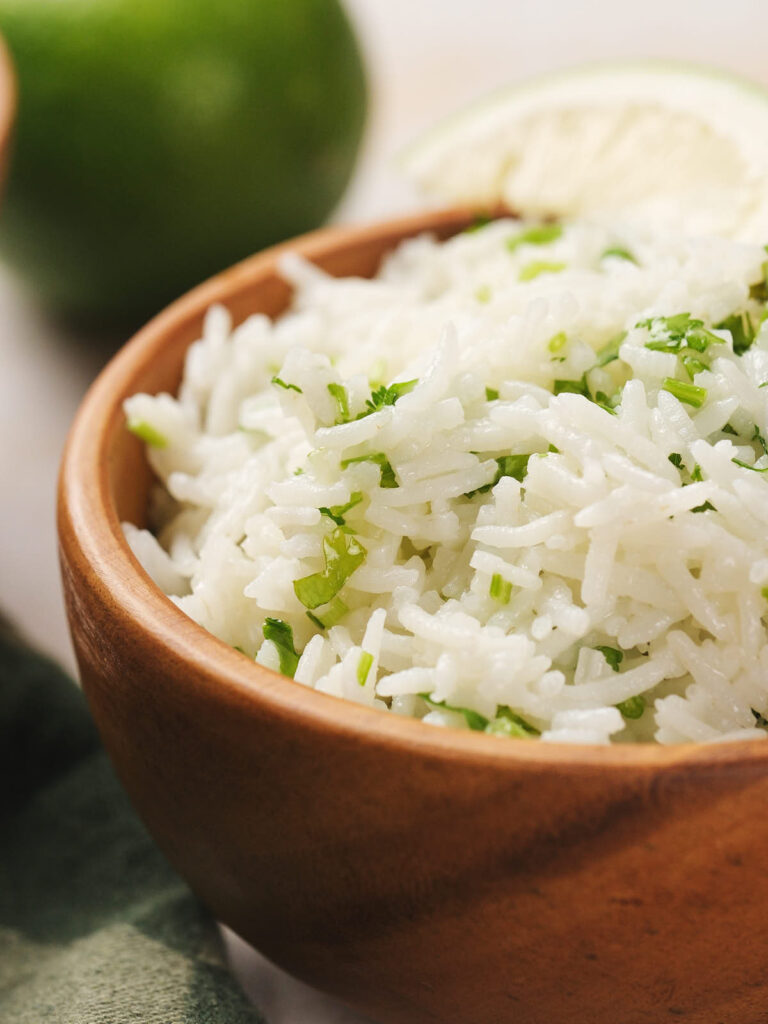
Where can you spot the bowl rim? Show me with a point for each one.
(89, 530)
(8, 96)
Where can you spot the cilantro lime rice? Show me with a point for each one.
(516, 484)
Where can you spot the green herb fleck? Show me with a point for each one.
(339, 393)
(147, 433)
(286, 387)
(693, 365)
(610, 352)
(760, 720)
(330, 614)
(501, 589)
(612, 655)
(604, 401)
(343, 554)
(474, 719)
(537, 234)
(388, 478)
(676, 459)
(281, 635)
(671, 333)
(764, 592)
(619, 253)
(746, 465)
(384, 395)
(491, 394)
(572, 387)
(742, 331)
(508, 465)
(509, 724)
(538, 267)
(632, 707)
(759, 291)
(683, 392)
(364, 667)
(696, 476)
(337, 512)
(557, 342)
(706, 507)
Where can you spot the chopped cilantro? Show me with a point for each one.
(339, 393)
(619, 253)
(693, 365)
(742, 331)
(538, 267)
(501, 589)
(537, 234)
(706, 507)
(612, 655)
(688, 393)
(608, 353)
(746, 465)
(632, 707)
(508, 465)
(760, 720)
(388, 395)
(286, 387)
(557, 342)
(759, 291)
(337, 512)
(581, 387)
(388, 478)
(491, 394)
(671, 333)
(474, 719)
(696, 476)
(676, 459)
(147, 433)
(508, 723)
(572, 387)
(604, 402)
(329, 615)
(364, 667)
(343, 554)
(281, 635)
(764, 592)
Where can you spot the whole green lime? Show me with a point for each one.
(159, 141)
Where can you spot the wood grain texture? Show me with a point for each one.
(423, 875)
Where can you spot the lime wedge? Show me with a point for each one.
(669, 145)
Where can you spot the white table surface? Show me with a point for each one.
(426, 58)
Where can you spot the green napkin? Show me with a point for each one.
(95, 928)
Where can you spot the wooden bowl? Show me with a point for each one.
(420, 874)
(7, 106)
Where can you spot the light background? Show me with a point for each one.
(426, 58)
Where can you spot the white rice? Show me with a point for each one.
(602, 543)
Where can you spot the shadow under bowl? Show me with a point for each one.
(420, 874)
